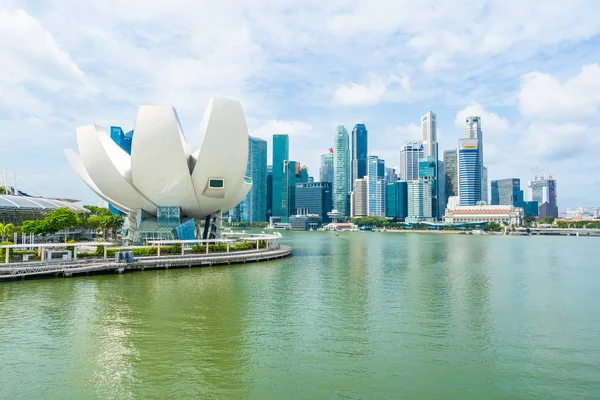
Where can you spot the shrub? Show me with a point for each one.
(2, 250)
(243, 246)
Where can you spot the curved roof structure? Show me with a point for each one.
(161, 171)
(16, 209)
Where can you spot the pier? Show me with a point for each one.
(271, 250)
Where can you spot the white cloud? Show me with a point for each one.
(373, 92)
(555, 141)
(543, 96)
(492, 124)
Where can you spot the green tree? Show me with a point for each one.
(548, 220)
(36, 227)
(61, 219)
(528, 220)
(95, 210)
(9, 231)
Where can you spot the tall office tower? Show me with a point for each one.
(410, 154)
(376, 186)
(360, 198)
(314, 198)
(292, 174)
(359, 151)
(269, 192)
(429, 129)
(450, 175)
(441, 187)
(473, 131)
(396, 199)
(281, 153)
(420, 203)
(326, 170)
(428, 173)
(341, 170)
(390, 175)
(255, 202)
(484, 185)
(469, 172)
(507, 192)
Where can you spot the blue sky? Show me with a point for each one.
(531, 69)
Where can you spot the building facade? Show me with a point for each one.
(410, 154)
(469, 172)
(543, 191)
(255, 202)
(429, 130)
(122, 139)
(473, 131)
(450, 174)
(428, 173)
(420, 201)
(326, 169)
(341, 170)
(396, 200)
(360, 143)
(360, 198)
(500, 214)
(507, 192)
(314, 199)
(376, 186)
(269, 192)
(281, 153)
(391, 175)
(292, 175)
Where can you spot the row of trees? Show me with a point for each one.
(62, 219)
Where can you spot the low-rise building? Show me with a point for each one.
(500, 214)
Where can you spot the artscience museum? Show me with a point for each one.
(163, 187)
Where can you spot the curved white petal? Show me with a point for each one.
(159, 163)
(79, 168)
(222, 155)
(98, 155)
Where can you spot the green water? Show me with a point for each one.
(359, 316)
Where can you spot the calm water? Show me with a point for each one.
(359, 316)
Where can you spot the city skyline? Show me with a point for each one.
(530, 76)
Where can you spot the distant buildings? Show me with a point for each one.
(359, 151)
(450, 174)
(507, 192)
(269, 191)
(314, 199)
(376, 186)
(397, 200)
(429, 130)
(390, 175)
(473, 131)
(341, 171)
(281, 153)
(256, 200)
(543, 191)
(292, 175)
(359, 198)
(410, 154)
(469, 172)
(420, 199)
(326, 169)
(428, 175)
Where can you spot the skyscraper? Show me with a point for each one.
(507, 192)
(469, 172)
(429, 129)
(341, 170)
(359, 151)
(326, 170)
(122, 139)
(314, 198)
(360, 198)
(269, 191)
(391, 175)
(292, 174)
(257, 170)
(420, 201)
(410, 154)
(281, 153)
(473, 131)
(543, 191)
(396, 200)
(484, 185)
(450, 175)
(376, 186)
(428, 174)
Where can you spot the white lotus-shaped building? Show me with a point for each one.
(162, 171)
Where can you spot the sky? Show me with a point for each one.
(530, 69)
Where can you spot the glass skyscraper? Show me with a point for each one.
(326, 170)
(396, 199)
(507, 192)
(428, 173)
(281, 153)
(256, 199)
(469, 172)
(314, 198)
(341, 170)
(376, 186)
(122, 139)
(292, 174)
(359, 151)
(269, 191)
(473, 131)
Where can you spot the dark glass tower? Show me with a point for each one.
(359, 152)
(281, 153)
